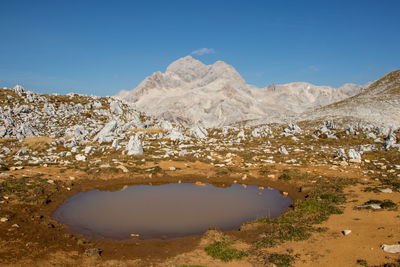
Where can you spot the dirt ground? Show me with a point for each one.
(31, 237)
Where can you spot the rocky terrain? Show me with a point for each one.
(344, 174)
(190, 93)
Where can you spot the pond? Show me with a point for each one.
(168, 211)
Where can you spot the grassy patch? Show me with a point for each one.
(26, 189)
(263, 170)
(281, 260)
(297, 224)
(390, 181)
(285, 176)
(221, 250)
(385, 204)
(362, 262)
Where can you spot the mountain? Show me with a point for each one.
(190, 92)
(378, 104)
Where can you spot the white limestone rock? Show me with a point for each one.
(390, 140)
(19, 89)
(106, 134)
(354, 156)
(175, 134)
(115, 144)
(391, 248)
(341, 154)
(134, 146)
(115, 108)
(198, 132)
(80, 157)
(283, 150)
(88, 149)
(241, 135)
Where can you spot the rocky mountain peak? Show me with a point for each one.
(187, 68)
(191, 92)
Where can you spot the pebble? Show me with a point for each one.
(346, 232)
(123, 168)
(391, 248)
(93, 252)
(386, 190)
(172, 168)
(375, 206)
(3, 219)
(16, 168)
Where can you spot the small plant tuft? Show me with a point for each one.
(281, 260)
(221, 250)
(285, 177)
(362, 262)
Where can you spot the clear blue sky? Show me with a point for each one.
(101, 47)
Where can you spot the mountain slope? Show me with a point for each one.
(379, 103)
(190, 92)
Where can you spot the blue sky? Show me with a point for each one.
(101, 47)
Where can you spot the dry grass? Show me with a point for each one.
(147, 130)
(5, 140)
(37, 143)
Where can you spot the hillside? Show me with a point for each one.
(377, 104)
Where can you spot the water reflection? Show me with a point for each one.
(170, 210)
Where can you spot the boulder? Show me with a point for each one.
(106, 134)
(354, 156)
(341, 154)
(241, 134)
(88, 149)
(175, 134)
(391, 248)
(198, 132)
(80, 157)
(134, 146)
(283, 150)
(390, 140)
(115, 108)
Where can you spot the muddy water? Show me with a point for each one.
(167, 211)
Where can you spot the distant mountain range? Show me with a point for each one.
(190, 92)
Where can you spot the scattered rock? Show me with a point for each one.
(198, 132)
(341, 154)
(123, 168)
(283, 150)
(386, 190)
(80, 157)
(198, 183)
(346, 232)
(391, 248)
(93, 252)
(134, 146)
(354, 156)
